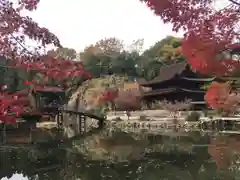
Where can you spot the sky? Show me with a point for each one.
(79, 23)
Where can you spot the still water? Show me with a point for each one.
(120, 155)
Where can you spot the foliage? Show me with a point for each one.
(108, 56)
(164, 52)
(219, 97)
(110, 45)
(109, 95)
(128, 100)
(126, 63)
(149, 68)
(209, 43)
(99, 110)
(175, 107)
(15, 28)
(193, 116)
(123, 99)
(206, 86)
(208, 31)
(64, 53)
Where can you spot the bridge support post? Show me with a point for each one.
(81, 123)
(78, 123)
(84, 119)
(100, 124)
(59, 120)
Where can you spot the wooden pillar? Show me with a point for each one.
(84, 123)
(59, 120)
(220, 125)
(78, 122)
(79, 117)
(204, 125)
(214, 125)
(58, 123)
(100, 123)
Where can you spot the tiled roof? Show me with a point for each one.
(170, 90)
(168, 72)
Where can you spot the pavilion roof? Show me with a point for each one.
(168, 72)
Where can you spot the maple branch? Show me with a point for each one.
(21, 44)
(235, 2)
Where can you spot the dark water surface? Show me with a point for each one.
(118, 155)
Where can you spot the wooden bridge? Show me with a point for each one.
(29, 126)
(80, 116)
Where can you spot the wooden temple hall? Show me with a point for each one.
(177, 83)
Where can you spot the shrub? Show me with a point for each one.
(143, 118)
(193, 116)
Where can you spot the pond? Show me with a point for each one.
(116, 154)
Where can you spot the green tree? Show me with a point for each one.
(149, 68)
(136, 46)
(64, 52)
(164, 52)
(97, 57)
(126, 64)
(110, 46)
(108, 56)
(13, 77)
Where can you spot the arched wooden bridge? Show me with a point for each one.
(26, 127)
(81, 118)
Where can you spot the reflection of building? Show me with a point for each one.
(176, 82)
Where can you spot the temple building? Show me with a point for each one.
(177, 82)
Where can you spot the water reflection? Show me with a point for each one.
(122, 155)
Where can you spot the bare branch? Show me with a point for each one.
(235, 2)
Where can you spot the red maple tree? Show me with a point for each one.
(14, 29)
(219, 96)
(208, 34)
(207, 31)
(121, 99)
(109, 95)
